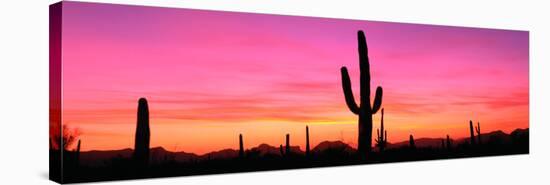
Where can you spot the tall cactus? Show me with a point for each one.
(381, 134)
(287, 147)
(411, 142)
(241, 147)
(307, 141)
(364, 109)
(472, 137)
(478, 131)
(141, 145)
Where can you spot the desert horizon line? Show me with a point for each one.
(464, 139)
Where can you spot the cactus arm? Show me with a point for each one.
(348, 93)
(377, 100)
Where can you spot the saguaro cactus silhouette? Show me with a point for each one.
(411, 142)
(281, 150)
(472, 137)
(381, 134)
(241, 147)
(287, 147)
(364, 110)
(478, 131)
(141, 145)
(307, 141)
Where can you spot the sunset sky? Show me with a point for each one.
(209, 76)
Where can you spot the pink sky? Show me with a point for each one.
(209, 76)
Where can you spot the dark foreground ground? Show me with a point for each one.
(120, 168)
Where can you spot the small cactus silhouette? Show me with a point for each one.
(381, 134)
(411, 142)
(281, 150)
(141, 148)
(472, 137)
(77, 154)
(287, 148)
(449, 143)
(307, 141)
(478, 131)
(364, 109)
(241, 147)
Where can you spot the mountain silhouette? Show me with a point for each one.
(102, 157)
(420, 143)
(159, 154)
(265, 149)
(221, 154)
(494, 137)
(520, 134)
(331, 145)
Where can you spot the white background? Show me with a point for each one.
(24, 91)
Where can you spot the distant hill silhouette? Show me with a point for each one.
(420, 143)
(494, 137)
(265, 149)
(221, 154)
(159, 154)
(102, 157)
(331, 145)
(520, 134)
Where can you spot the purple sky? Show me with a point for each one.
(227, 73)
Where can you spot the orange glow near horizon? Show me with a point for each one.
(205, 136)
(210, 76)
